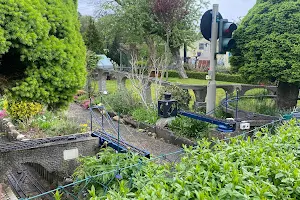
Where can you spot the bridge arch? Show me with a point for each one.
(267, 90)
(50, 177)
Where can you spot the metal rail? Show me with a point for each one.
(123, 147)
(224, 124)
(21, 145)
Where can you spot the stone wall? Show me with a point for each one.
(50, 156)
(6, 126)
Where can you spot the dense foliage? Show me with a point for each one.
(181, 95)
(42, 51)
(265, 168)
(188, 127)
(122, 101)
(268, 47)
(149, 116)
(23, 110)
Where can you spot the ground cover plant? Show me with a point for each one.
(267, 167)
(46, 124)
(191, 128)
(149, 116)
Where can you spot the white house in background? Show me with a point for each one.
(198, 55)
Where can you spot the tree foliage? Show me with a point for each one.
(268, 42)
(141, 21)
(42, 51)
(91, 35)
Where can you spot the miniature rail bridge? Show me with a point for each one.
(200, 91)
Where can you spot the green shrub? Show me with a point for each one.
(149, 116)
(182, 96)
(23, 110)
(185, 126)
(235, 78)
(107, 160)
(42, 51)
(267, 167)
(121, 101)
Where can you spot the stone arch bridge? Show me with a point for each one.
(200, 91)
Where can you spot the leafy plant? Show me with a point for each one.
(122, 101)
(23, 110)
(264, 168)
(145, 115)
(188, 127)
(105, 161)
(182, 96)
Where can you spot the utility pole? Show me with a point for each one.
(211, 87)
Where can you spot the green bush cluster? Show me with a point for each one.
(267, 167)
(149, 116)
(122, 101)
(181, 95)
(235, 78)
(23, 110)
(42, 51)
(187, 127)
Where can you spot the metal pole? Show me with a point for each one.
(211, 87)
(226, 102)
(237, 104)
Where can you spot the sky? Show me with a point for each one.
(230, 9)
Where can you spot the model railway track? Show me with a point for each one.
(119, 145)
(20, 145)
(25, 185)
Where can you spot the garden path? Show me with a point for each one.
(133, 136)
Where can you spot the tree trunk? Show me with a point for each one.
(287, 95)
(178, 62)
(152, 51)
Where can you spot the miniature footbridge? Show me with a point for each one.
(107, 139)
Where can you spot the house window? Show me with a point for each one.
(201, 46)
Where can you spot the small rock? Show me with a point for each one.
(68, 180)
(154, 135)
(20, 137)
(14, 134)
(162, 122)
(140, 130)
(149, 133)
(116, 118)
(102, 112)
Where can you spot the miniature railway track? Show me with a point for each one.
(24, 184)
(20, 145)
(115, 144)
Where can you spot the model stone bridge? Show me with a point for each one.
(200, 91)
(53, 155)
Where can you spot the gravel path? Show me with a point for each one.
(132, 136)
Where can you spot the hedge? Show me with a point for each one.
(202, 75)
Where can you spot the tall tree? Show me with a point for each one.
(268, 47)
(173, 21)
(91, 35)
(42, 51)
